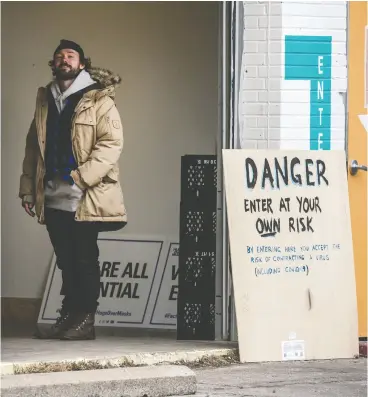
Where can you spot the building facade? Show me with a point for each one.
(303, 85)
(197, 77)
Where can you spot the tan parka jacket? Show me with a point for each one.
(97, 141)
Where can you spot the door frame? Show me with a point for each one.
(231, 44)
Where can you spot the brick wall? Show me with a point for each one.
(294, 75)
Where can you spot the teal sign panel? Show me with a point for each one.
(309, 58)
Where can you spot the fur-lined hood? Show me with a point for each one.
(107, 81)
(104, 77)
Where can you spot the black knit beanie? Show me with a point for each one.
(71, 45)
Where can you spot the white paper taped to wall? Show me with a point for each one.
(293, 350)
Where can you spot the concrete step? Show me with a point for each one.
(151, 381)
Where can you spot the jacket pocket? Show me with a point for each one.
(86, 117)
(111, 177)
(104, 200)
(84, 137)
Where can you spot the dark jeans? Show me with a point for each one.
(76, 249)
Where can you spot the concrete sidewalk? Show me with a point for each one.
(330, 378)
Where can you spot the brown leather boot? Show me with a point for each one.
(82, 329)
(63, 322)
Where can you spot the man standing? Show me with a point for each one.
(71, 179)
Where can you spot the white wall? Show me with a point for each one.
(167, 56)
(275, 112)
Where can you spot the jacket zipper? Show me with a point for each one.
(76, 159)
(41, 137)
(41, 143)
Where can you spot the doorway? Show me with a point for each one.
(167, 54)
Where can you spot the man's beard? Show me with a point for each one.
(66, 74)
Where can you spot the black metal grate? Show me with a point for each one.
(197, 261)
(198, 228)
(198, 269)
(214, 223)
(194, 222)
(199, 318)
(198, 181)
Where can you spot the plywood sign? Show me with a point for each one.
(291, 254)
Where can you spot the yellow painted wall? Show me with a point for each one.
(357, 150)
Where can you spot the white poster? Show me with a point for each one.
(131, 271)
(165, 308)
(291, 254)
